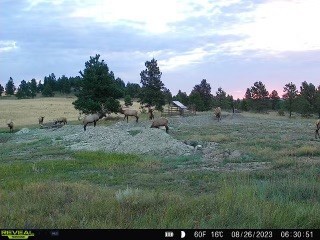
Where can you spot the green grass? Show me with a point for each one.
(44, 185)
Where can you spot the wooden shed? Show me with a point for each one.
(175, 108)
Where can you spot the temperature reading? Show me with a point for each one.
(217, 234)
(199, 234)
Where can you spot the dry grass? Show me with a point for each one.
(25, 112)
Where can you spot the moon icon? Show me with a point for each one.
(183, 234)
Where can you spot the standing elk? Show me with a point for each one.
(129, 112)
(40, 120)
(92, 118)
(316, 135)
(217, 113)
(10, 124)
(150, 112)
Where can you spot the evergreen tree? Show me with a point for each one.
(152, 90)
(133, 89)
(47, 91)
(317, 102)
(291, 92)
(64, 85)
(248, 94)
(237, 104)
(128, 101)
(33, 87)
(196, 100)
(308, 92)
(274, 97)
(75, 83)
(40, 87)
(98, 90)
(167, 96)
(1, 90)
(182, 97)
(302, 106)
(246, 103)
(10, 88)
(24, 90)
(121, 85)
(204, 91)
(51, 80)
(222, 99)
(229, 103)
(260, 96)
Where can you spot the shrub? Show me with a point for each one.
(281, 112)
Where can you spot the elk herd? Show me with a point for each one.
(156, 123)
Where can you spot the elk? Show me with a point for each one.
(316, 135)
(92, 118)
(217, 113)
(10, 124)
(40, 120)
(129, 112)
(160, 122)
(150, 112)
(61, 120)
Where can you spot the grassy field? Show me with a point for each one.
(45, 185)
(25, 112)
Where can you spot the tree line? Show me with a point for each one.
(51, 85)
(97, 88)
(257, 99)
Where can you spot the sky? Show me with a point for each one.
(230, 43)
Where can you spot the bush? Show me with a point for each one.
(128, 101)
(281, 112)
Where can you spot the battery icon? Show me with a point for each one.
(168, 234)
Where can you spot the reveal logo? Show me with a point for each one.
(17, 234)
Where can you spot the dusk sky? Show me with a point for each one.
(230, 43)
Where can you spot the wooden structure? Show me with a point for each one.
(176, 108)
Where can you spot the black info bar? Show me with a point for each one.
(163, 234)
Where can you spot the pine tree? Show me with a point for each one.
(152, 90)
(133, 90)
(317, 102)
(274, 99)
(203, 90)
(24, 90)
(1, 90)
(182, 97)
(33, 87)
(127, 101)
(260, 96)
(47, 91)
(10, 88)
(223, 100)
(291, 92)
(99, 90)
(308, 92)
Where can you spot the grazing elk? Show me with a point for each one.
(160, 122)
(61, 120)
